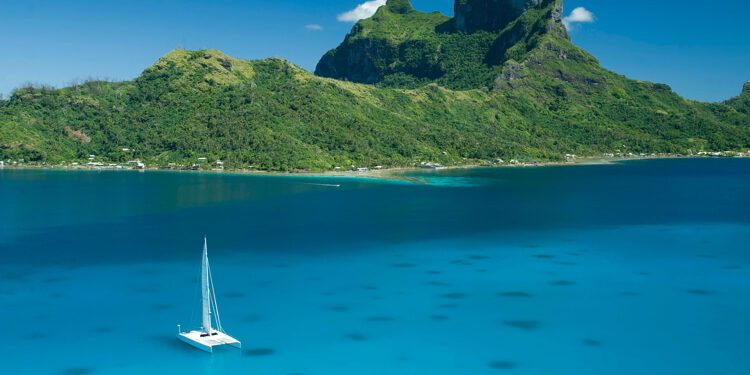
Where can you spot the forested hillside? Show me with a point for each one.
(404, 87)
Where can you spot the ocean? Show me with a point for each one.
(639, 267)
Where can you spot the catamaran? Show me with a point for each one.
(208, 337)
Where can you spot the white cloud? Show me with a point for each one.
(314, 27)
(364, 10)
(578, 15)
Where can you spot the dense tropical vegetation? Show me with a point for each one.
(428, 91)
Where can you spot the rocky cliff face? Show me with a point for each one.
(379, 46)
(474, 15)
(742, 102)
(399, 6)
(401, 47)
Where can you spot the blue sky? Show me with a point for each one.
(702, 50)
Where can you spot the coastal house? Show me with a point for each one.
(426, 165)
(137, 164)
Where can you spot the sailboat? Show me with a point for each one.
(208, 337)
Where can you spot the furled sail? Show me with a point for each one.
(206, 289)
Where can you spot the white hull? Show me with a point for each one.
(207, 343)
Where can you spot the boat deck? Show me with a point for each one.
(200, 340)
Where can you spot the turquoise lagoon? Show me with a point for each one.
(629, 268)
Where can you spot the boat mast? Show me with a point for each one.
(205, 289)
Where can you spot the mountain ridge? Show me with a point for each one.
(408, 49)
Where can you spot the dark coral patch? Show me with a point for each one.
(146, 289)
(434, 272)
(339, 308)
(562, 283)
(526, 325)
(592, 342)
(259, 352)
(438, 283)
(254, 318)
(449, 306)
(503, 365)
(478, 257)
(78, 371)
(37, 336)
(438, 317)
(566, 263)
(403, 265)
(700, 292)
(544, 256)
(381, 318)
(161, 307)
(453, 295)
(732, 267)
(357, 337)
(14, 275)
(103, 330)
(708, 256)
(514, 294)
(54, 280)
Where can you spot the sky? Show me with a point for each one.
(700, 49)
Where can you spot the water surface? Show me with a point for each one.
(638, 267)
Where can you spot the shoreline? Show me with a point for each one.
(396, 173)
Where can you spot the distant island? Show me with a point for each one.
(500, 82)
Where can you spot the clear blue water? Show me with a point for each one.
(632, 268)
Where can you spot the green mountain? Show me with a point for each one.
(501, 80)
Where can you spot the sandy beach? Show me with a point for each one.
(395, 173)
